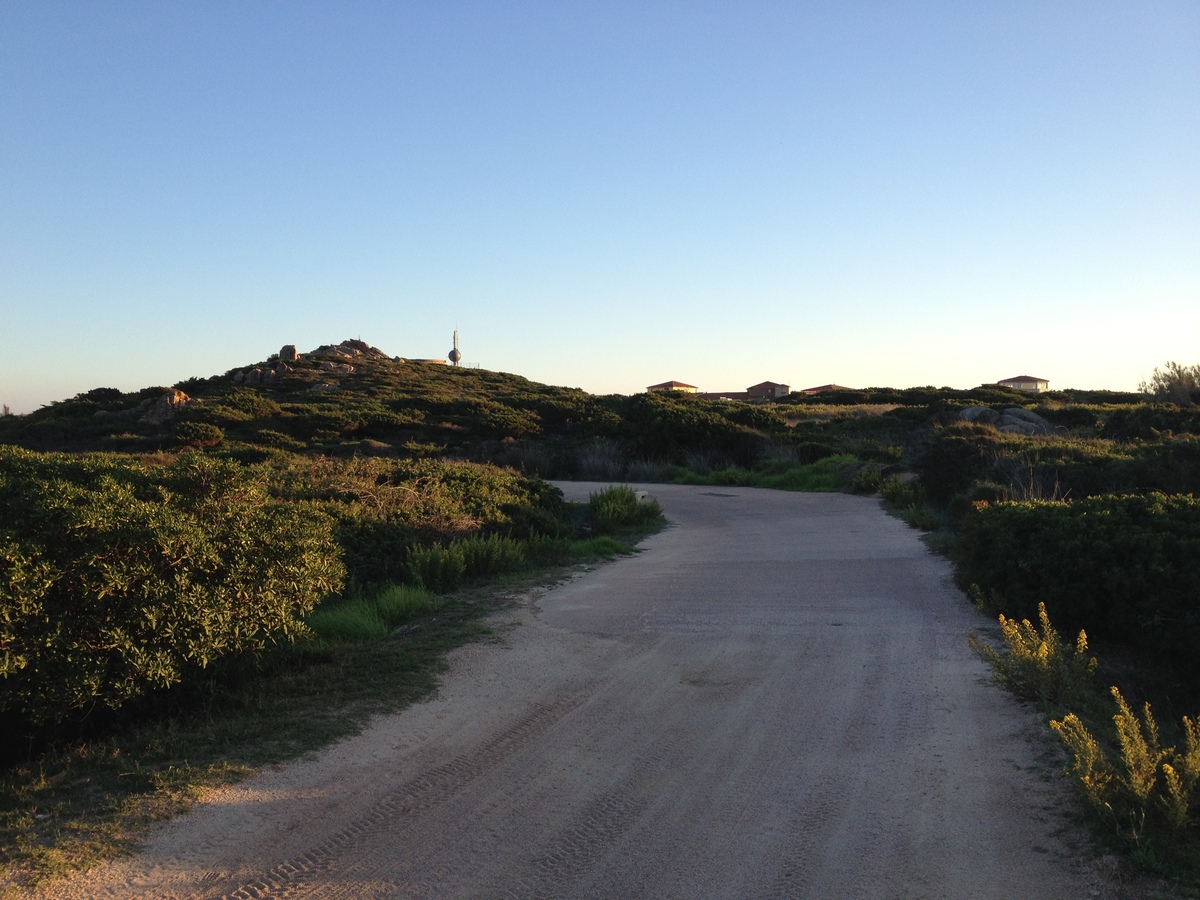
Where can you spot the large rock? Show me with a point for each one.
(288, 354)
(981, 415)
(1013, 420)
(165, 407)
(337, 350)
(1022, 421)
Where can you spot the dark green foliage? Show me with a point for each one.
(118, 578)
(1125, 568)
(1149, 422)
(374, 550)
(667, 425)
(254, 403)
(198, 434)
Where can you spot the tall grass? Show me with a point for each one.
(445, 568)
(369, 617)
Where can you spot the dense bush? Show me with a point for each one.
(1126, 568)
(1150, 421)
(198, 434)
(616, 507)
(118, 578)
(665, 426)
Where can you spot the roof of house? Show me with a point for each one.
(766, 384)
(1023, 378)
(671, 384)
(826, 387)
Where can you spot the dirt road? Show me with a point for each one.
(776, 699)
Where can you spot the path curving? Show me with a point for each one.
(775, 699)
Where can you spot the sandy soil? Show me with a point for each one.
(776, 699)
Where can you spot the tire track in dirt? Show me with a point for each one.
(417, 796)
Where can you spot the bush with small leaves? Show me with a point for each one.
(117, 578)
(1037, 665)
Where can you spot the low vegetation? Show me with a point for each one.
(166, 583)
(1143, 786)
(1037, 665)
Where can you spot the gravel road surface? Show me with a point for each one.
(775, 699)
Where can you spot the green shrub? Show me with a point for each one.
(1037, 666)
(1141, 782)
(1147, 422)
(272, 438)
(1125, 567)
(198, 434)
(490, 556)
(255, 404)
(617, 507)
(867, 480)
(118, 578)
(437, 568)
(445, 568)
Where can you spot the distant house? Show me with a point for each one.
(767, 390)
(822, 388)
(672, 386)
(1026, 383)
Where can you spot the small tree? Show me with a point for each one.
(1174, 383)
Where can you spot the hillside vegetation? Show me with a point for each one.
(169, 542)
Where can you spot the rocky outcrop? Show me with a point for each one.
(165, 407)
(981, 415)
(350, 350)
(154, 410)
(1013, 420)
(288, 356)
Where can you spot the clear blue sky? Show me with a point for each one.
(603, 195)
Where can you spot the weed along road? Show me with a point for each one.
(775, 699)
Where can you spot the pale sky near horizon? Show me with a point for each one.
(601, 195)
